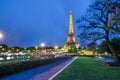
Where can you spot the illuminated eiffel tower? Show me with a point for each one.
(71, 41)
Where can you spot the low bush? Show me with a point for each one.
(15, 67)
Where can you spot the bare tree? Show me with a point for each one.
(101, 21)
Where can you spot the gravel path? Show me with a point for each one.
(42, 73)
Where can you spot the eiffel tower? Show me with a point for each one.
(71, 41)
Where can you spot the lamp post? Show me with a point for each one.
(36, 49)
(43, 45)
(1, 37)
(56, 47)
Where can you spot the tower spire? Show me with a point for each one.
(70, 23)
(71, 41)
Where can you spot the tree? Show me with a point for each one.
(3, 48)
(101, 21)
(103, 47)
(91, 46)
(115, 42)
(72, 50)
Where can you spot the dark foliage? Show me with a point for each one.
(91, 46)
(115, 43)
(12, 68)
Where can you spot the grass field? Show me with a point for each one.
(86, 68)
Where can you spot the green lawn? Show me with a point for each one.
(86, 68)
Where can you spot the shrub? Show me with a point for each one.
(15, 67)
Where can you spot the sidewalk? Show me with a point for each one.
(54, 71)
(47, 72)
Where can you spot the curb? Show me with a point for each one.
(62, 69)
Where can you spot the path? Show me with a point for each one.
(42, 73)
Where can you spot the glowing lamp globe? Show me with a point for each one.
(42, 44)
(1, 36)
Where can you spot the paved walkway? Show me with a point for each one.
(42, 73)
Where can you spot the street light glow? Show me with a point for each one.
(36, 47)
(42, 44)
(1, 35)
(56, 47)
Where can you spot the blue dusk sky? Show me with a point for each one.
(28, 23)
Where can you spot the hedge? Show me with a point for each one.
(15, 67)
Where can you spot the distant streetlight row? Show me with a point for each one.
(42, 44)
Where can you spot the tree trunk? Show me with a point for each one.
(116, 57)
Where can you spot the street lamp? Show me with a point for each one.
(56, 47)
(36, 47)
(1, 36)
(43, 45)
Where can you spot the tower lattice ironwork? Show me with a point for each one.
(71, 41)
